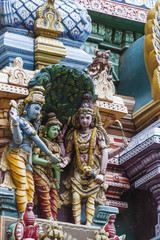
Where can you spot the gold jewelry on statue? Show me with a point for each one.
(34, 133)
(84, 139)
(28, 139)
(60, 140)
(85, 111)
(53, 120)
(68, 149)
(36, 95)
(26, 127)
(90, 149)
(15, 124)
(49, 154)
(24, 112)
(92, 124)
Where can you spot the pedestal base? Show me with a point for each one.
(8, 203)
(102, 213)
(71, 231)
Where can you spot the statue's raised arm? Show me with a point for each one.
(17, 135)
(19, 153)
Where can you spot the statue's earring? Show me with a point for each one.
(92, 124)
(45, 133)
(24, 112)
(25, 109)
(78, 125)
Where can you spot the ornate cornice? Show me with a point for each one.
(118, 185)
(148, 177)
(139, 144)
(115, 9)
(118, 204)
(5, 89)
(141, 159)
(110, 111)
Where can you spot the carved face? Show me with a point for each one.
(85, 120)
(34, 110)
(53, 131)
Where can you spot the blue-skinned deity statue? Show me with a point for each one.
(16, 162)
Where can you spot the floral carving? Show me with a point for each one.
(17, 75)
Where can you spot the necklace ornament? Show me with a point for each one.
(83, 149)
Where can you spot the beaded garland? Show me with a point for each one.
(90, 149)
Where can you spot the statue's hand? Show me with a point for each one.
(99, 178)
(64, 162)
(14, 115)
(62, 132)
(53, 158)
(56, 167)
(125, 144)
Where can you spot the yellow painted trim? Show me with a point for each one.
(146, 115)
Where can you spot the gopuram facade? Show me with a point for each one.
(79, 120)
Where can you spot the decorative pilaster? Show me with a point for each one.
(102, 213)
(141, 162)
(48, 50)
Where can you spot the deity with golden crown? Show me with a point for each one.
(17, 158)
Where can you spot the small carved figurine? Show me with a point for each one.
(27, 228)
(46, 174)
(111, 230)
(101, 235)
(53, 232)
(100, 71)
(18, 156)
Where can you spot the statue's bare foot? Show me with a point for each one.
(78, 223)
(88, 223)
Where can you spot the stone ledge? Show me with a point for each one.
(71, 231)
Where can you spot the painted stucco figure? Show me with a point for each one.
(18, 156)
(87, 146)
(88, 170)
(27, 228)
(111, 230)
(47, 174)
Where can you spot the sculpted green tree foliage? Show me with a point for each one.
(64, 88)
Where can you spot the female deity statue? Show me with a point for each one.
(86, 139)
(46, 174)
(18, 156)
